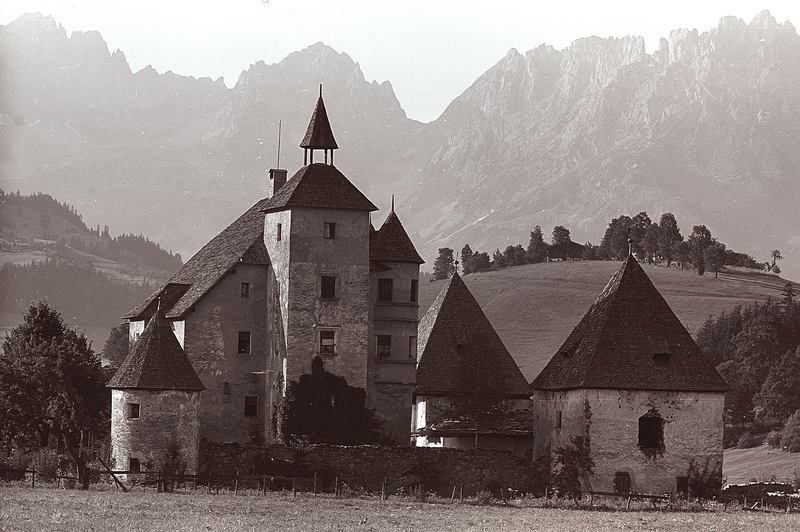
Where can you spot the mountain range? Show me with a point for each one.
(707, 127)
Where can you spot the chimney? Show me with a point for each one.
(277, 177)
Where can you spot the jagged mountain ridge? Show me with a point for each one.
(705, 126)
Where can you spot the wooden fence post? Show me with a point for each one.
(629, 500)
(294, 487)
(384, 496)
(264, 485)
(315, 484)
(453, 495)
(33, 478)
(336, 487)
(208, 485)
(461, 493)
(236, 483)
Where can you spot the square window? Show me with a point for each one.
(412, 347)
(251, 406)
(385, 289)
(329, 232)
(328, 287)
(244, 343)
(134, 465)
(327, 342)
(279, 232)
(383, 345)
(245, 289)
(414, 289)
(133, 410)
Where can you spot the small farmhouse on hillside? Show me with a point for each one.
(465, 372)
(630, 381)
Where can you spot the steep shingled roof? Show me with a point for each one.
(156, 361)
(319, 185)
(391, 243)
(455, 334)
(319, 134)
(630, 339)
(516, 423)
(242, 241)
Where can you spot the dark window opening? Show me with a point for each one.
(385, 288)
(327, 342)
(279, 233)
(651, 434)
(328, 287)
(134, 465)
(682, 485)
(226, 388)
(133, 410)
(414, 289)
(330, 231)
(251, 406)
(622, 482)
(558, 419)
(661, 359)
(412, 347)
(244, 342)
(245, 289)
(434, 440)
(383, 345)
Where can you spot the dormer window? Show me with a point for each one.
(329, 231)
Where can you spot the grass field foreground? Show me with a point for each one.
(22, 508)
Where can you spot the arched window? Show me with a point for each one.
(651, 433)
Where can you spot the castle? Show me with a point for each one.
(302, 283)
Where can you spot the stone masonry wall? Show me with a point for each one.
(692, 433)
(164, 416)
(366, 466)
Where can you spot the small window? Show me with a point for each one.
(244, 343)
(133, 410)
(226, 387)
(328, 286)
(385, 287)
(134, 465)
(622, 483)
(651, 434)
(414, 289)
(245, 289)
(558, 419)
(279, 232)
(412, 347)
(434, 440)
(383, 345)
(251, 406)
(327, 342)
(682, 485)
(329, 231)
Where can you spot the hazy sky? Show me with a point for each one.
(430, 50)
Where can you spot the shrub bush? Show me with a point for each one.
(747, 441)
(774, 439)
(790, 438)
(46, 462)
(17, 460)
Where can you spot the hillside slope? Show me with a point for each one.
(534, 307)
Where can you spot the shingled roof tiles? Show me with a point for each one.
(516, 423)
(455, 334)
(630, 339)
(319, 134)
(321, 186)
(156, 361)
(391, 243)
(242, 241)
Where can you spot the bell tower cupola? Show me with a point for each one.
(319, 135)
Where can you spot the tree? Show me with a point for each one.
(615, 239)
(116, 347)
(788, 295)
(589, 252)
(649, 243)
(780, 394)
(444, 266)
(699, 240)
(515, 255)
(537, 248)
(775, 255)
(639, 225)
(479, 262)
(560, 235)
(466, 255)
(714, 257)
(498, 260)
(668, 236)
(51, 387)
(790, 437)
(682, 252)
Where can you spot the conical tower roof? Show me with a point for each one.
(630, 339)
(456, 334)
(391, 243)
(319, 135)
(156, 361)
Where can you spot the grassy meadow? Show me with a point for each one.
(22, 508)
(534, 307)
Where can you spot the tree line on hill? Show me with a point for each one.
(82, 293)
(652, 242)
(757, 350)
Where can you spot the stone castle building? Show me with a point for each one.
(299, 275)
(632, 383)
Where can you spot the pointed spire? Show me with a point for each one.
(392, 202)
(319, 135)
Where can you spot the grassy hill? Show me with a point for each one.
(761, 463)
(534, 307)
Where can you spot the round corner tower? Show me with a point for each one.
(155, 398)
